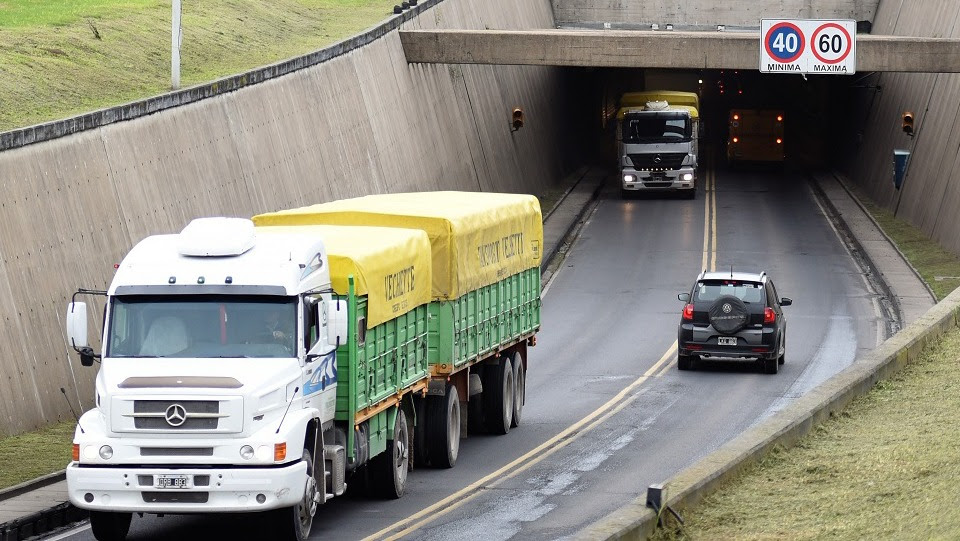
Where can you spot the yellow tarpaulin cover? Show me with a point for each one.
(477, 238)
(390, 266)
(673, 97)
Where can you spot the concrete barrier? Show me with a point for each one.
(360, 120)
(636, 521)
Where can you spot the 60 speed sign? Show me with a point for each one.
(808, 46)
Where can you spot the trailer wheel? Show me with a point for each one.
(391, 465)
(519, 389)
(295, 522)
(108, 526)
(499, 402)
(443, 430)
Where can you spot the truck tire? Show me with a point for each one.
(498, 396)
(108, 526)
(519, 389)
(443, 428)
(390, 468)
(295, 522)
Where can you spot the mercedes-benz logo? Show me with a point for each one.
(726, 310)
(176, 415)
(657, 159)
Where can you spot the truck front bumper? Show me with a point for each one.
(681, 179)
(206, 490)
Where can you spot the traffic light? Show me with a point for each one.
(517, 118)
(907, 123)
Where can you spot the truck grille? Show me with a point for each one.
(657, 162)
(176, 414)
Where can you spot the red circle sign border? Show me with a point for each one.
(795, 28)
(813, 39)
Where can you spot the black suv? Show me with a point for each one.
(733, 314)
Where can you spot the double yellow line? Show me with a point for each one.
(597, 417)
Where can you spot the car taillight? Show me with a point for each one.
(688, 312)
(769, 316)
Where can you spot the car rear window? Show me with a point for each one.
(711, 290)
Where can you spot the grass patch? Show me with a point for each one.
(939, 268)
(35, 454)
(886, 468)
(59, 59)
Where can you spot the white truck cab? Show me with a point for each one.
(217, 380)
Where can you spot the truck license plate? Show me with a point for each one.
(727, 340)
(656, 177)
(172, 481)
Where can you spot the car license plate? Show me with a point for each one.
(727, 340)
(172, 481)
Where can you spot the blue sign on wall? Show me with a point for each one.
(900, 158)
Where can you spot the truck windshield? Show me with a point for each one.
(656, 128)
(208, 326)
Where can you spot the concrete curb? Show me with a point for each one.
(636, 521)
(60, 128)
(42, 522)
(842, 181)
(549, 257)
(33, 484)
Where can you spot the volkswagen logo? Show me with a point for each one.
(175, 415)
(726, 310)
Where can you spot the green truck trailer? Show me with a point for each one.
(484, 309)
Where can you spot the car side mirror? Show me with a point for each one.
(784, 301)
(685, 297)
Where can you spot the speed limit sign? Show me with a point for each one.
(808, 46)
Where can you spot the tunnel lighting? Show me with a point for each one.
(721, 28)
(779, 140)
(700, 81)
(736, 139)
(739, 91)
(736, 117)
(654, 26)
(779, 118)
(669, 27)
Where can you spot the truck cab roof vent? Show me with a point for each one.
(658, 105)
(210, 237)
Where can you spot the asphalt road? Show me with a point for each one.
(607, 411)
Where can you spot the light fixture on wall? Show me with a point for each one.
(654, 26)
(721, 27)
(669, 26)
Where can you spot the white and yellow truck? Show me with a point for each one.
(658, 142)
(257, 368)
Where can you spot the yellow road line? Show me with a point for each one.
(524, 462)
(574, 431)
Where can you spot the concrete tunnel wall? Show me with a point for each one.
(930, 196)
(364, 122)
(700, 13)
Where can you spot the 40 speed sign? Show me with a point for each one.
(808, 46)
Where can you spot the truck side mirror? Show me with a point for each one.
(336, 322)
(77, 325)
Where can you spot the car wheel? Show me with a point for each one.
(771, 365)
(728, 314)
(783, 354)
(685, 362)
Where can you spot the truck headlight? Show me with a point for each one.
(246, 452)
(629, 178)
(106, 452)
(688, 176)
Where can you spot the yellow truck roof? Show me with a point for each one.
(390, 266)
(694, 114)
(673, 97)
(477, 238)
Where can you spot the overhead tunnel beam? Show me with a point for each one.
(661, 49)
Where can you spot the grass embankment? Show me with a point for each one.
(35, 454)
(59, 59)
(887, 467)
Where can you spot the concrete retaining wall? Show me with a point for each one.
(931, 191)
(359, 123)
(703, 13)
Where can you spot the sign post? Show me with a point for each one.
(808, 46)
